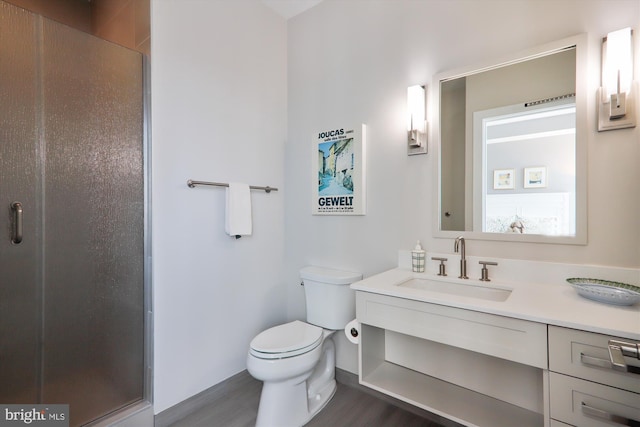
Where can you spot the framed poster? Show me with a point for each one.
(339, 171)
(535, 177)
(503, 179)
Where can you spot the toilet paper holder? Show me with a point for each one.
(352, 331)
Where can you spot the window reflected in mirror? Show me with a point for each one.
(528, 165)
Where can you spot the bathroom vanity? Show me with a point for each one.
(524, 350)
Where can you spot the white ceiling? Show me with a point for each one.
(290, 8)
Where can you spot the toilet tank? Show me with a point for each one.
(331, 303)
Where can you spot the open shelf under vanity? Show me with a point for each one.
(386, 370)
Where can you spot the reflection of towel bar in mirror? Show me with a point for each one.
(191, 183)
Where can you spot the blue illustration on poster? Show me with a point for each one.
(335, 174)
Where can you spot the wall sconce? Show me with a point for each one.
(617, 95)
(417, 123)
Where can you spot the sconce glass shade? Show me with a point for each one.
(416, 108)
(618, 93)
(416, 120)
(617, 67)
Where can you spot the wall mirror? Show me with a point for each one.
(511, 146)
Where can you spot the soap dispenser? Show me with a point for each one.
(418, 258)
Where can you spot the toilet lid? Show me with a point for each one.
(288, 340)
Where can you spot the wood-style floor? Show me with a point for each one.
(352, 406)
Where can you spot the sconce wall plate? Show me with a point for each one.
(628, 120)
(419, 138)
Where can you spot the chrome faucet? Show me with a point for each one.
(459, 245)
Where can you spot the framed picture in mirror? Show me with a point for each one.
(535, 177)
(503, 179)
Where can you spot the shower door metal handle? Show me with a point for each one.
(16, 238)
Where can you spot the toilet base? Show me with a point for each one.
(320, 400)
(294, 402)
(287, 405)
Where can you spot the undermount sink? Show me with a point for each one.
(453, 288)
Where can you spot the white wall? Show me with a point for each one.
(218, 114)
(351, 61)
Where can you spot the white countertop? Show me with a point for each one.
(554, 302)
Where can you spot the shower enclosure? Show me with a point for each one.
(72, 215)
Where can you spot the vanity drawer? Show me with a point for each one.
(507, 338)
(586, 355)
(587, 404)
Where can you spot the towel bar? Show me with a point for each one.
(191, 183)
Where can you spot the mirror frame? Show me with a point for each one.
(581, 45)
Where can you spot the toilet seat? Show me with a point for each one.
(287, 340)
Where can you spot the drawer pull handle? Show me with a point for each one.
(599, 413)
(619, 349)
(595, 361)
(604, 363)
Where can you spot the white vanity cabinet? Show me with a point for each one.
(537, 358)
(475, 368)
(585, 390)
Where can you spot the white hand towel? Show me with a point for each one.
(238, 210)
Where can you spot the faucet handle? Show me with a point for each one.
(485, 271)
(442, 268)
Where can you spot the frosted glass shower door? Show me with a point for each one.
(93, 221)
(73, 332)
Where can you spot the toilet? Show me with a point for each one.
(296, 360)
